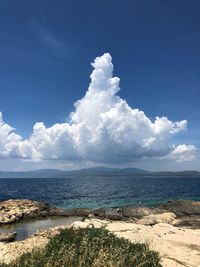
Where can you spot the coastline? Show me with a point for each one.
(183, 212)
(172, 229)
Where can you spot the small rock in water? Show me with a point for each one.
(8, 237)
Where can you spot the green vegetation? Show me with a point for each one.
(89, 247)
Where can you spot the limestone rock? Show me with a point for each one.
(14, 210)
(71, 212)
(109, 213)
(166, 217)
(139, 212)
(182, 207)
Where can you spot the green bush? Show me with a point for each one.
(89, 247)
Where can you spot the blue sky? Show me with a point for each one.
(45, 52)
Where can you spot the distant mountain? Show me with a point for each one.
(108, 171)
(53, 173)
(43, 173)
(177, 174)
(96, 171)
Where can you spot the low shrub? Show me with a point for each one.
(89, 247)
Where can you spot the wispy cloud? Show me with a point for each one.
(40, 44)
(51, 46)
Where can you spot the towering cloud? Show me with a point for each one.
(8, 139)
(103, 128)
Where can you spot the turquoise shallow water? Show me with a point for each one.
(93, 192)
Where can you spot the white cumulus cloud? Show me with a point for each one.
(102, 128)
(182, 153)
(8, 139)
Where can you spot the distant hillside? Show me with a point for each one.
(177, 174)
(97, 171)
(53, 173)
(108, 171)
(43, 173)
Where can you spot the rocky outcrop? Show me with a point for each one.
(125, 213)
(108, 213)
(14, 210)
(176, 212)
(69, 213)
(139, 212)
(182, 207)
(166, 217)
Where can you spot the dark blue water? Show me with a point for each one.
(94, 192)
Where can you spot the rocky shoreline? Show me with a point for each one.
(173, 228)
(15, 210)
(176, 212)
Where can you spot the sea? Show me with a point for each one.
(98, 191)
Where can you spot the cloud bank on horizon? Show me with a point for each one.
(103, 129)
